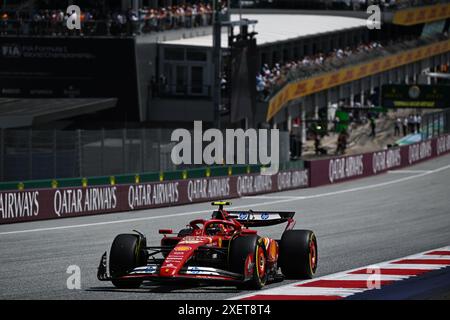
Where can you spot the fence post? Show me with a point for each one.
(2, 153)
(55, 175)
(80, 155)
(159, 149)
(102, 153)
(124, 155)
(445, 122)
(435, 125)
(30, 154)
(142, 150)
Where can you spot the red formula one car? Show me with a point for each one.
(220, 250)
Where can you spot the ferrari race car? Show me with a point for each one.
(220, 250)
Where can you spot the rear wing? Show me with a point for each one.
(252, 218)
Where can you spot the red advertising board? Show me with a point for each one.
(344, 168)
(38, 204)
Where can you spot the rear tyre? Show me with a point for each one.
(248, 257)
(298, 254)
(125, 255)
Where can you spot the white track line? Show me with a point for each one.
(327, 194)
(365, 277)
(411, 266)
(408, 171)
(270, 197)
(294, 291)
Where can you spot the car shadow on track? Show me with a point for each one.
(157, 288)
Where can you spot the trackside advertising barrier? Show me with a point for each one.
(38, 204)
(340, 169)
(53, 203)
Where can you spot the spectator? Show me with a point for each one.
(317, 143)
(411, 124)
(154, 87)
(4, 22)
(415, 123)
(133, 22)
(342, 142)
(419, 123)
(164, 86)
(372, 127)
(398, 124)
(405, 126)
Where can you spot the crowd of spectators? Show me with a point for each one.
(94, 22)
(408, 125)
(271, 77)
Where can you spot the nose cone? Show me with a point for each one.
(182, 252)
(168, 271)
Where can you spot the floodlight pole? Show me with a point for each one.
(217, 53)
(217, 61)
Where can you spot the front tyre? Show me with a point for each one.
(125, 255)
(248, 257)
(298, 254)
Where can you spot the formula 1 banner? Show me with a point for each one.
(344, 168)
(39, 204)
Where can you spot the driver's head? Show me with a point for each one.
(214, 229)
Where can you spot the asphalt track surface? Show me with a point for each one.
(357, 223)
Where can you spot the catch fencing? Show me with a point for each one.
(51, 154)
(435, 124)
(58, 154)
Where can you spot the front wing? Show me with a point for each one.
(151, 272)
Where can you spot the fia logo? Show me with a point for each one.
(74, 17)
(12, 51)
